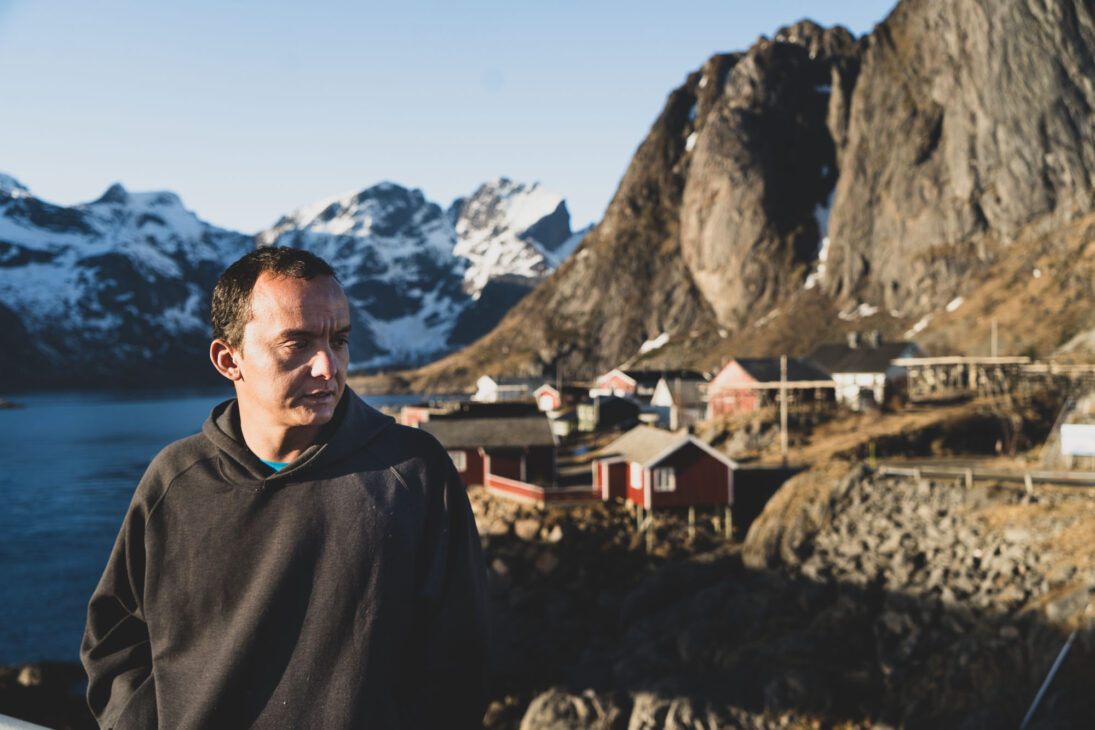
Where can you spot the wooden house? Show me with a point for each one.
(863, 368)
(653, 468)
(519, 448)
(749, 383)
(680, 401)
(551, 398)
(637, 384)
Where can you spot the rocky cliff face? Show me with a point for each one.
(761, 165)
(789, 192)
(970, 120)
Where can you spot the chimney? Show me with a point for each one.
(874, 338)
(853, 340)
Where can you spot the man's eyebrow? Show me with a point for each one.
(288, 334)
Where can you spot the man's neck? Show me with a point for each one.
(279, 444)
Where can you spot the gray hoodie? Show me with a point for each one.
(344, 591)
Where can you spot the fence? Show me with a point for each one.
(535, 493)
(971, 474)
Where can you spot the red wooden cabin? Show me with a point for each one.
(654, 468)
(748, 383)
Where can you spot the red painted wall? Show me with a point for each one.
(724, 398)
(701, 479)
(473, 473)
(413, 415)
(618, 384)
(617, 480)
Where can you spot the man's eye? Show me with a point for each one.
(296, 344)
(340, 341)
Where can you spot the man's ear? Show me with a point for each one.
(224, 358)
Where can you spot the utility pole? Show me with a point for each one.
(995, 349)
(783, 408)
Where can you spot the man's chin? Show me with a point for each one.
(311, 412)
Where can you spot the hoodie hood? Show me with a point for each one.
(354, 424)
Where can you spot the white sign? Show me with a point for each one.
(1078, 439)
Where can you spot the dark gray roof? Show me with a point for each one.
(511, 380)
(642, 444)
(865, 358)
(766, 369)
(491, 432)
(651, 377)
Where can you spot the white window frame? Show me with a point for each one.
(459, 460)
(665, 479)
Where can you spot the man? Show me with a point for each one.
(303, 562)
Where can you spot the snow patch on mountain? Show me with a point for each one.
(120, 285)
(512, 229)
(116, 286)
(414, 274)
(12, 187)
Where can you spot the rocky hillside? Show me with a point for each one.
(817, 183)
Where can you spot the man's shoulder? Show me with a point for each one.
(410, 442)
(179, 456)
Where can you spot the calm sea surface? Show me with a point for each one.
(69, 463)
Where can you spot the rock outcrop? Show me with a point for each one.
(970, 120)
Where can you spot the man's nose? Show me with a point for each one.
(323, 363)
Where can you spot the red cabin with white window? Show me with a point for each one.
(654, 468)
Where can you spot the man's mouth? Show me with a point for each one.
(320, 396)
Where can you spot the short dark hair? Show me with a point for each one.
(231, 306)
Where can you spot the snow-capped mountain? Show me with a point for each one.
(423, 282)
(117, 290)
(111, 291)
(393, 252)
(509, 229)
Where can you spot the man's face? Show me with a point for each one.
(293, 360)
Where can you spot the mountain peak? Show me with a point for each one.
(114, 194)
(10, 186)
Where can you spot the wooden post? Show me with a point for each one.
(969, 478)
(649, 531)
(1028, 482)
(691, 522)
(638, 518)
(727, 523)
(783, 408)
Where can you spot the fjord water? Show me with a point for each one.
(69, 463)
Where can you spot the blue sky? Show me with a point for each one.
(249, 110)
